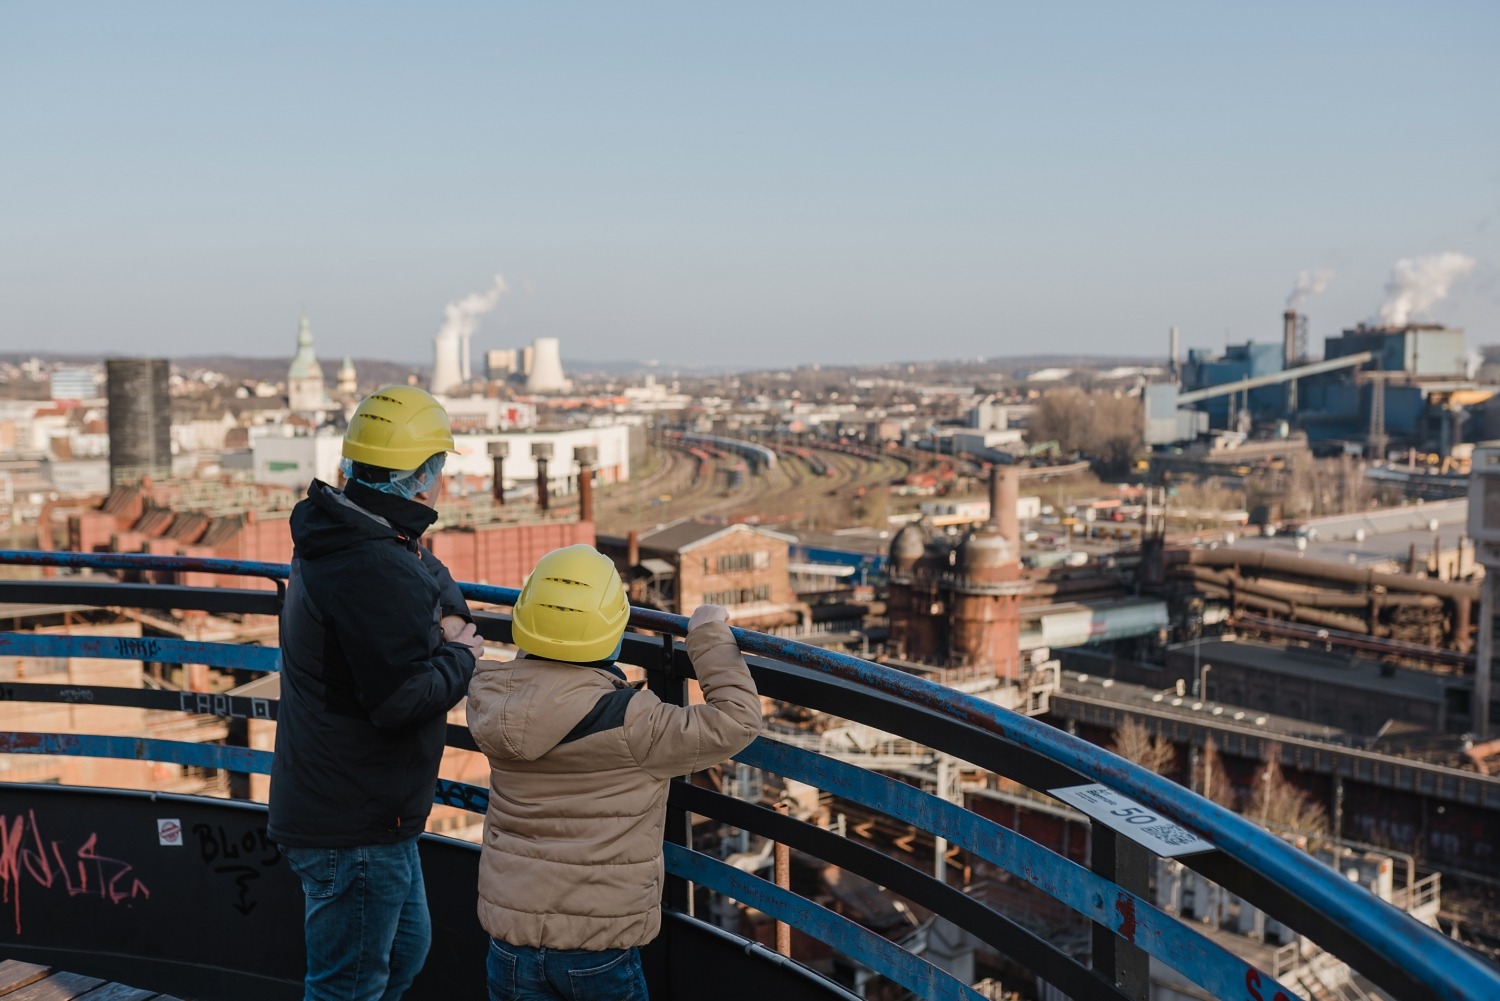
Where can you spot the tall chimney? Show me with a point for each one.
(498, 452)
(1172, 350)
(541, 451)
(1005, 492)
(586, 455)
(1289, 339)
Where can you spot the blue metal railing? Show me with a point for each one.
(1390, 948)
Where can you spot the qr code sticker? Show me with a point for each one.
(1170, 833)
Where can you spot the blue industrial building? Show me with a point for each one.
(1410, 370)
(1239, 361)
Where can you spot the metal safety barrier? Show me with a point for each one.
(1400, 956)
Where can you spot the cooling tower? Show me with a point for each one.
(546, 367)
(447, 369)
(140, 419)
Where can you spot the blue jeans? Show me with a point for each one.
(522, 973)
(367, 925)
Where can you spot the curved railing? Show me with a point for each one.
(1403, 958)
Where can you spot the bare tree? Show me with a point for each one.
(1103, 425)
(1062, 415)
(1275, 801)
(1134, 743)
(1116, 432)
(1210, 781)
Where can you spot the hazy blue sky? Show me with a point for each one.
(760, 183)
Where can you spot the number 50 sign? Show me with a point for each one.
(1138, 823)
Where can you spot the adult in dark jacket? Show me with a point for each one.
(376, 646)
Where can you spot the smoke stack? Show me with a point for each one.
(1289, 339)
(1005, 494)
(498, 452)
(546, 374)
(446, 367)
(586, 455)
(1172, 351)
(541, 451)
(632, 548)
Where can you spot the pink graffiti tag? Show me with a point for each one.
(80, 872)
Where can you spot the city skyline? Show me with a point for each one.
(850, 184)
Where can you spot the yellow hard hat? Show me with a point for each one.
(572, 608)
(398, 427)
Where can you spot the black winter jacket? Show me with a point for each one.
(366, 678)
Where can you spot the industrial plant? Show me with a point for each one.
(1255, 573)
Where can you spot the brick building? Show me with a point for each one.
(687, 563)
(251, 523)
(958, 605)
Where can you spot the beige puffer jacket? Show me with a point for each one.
(579, 767)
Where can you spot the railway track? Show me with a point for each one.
(699, 480)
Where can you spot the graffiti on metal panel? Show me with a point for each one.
(208, 704)
(131, 646)
(463, 797)
(29, 859)
(1252, 985)
(240, 857)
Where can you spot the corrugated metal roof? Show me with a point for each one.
(222, 530)
(119, 499)
(154, 521)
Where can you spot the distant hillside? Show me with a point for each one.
(375, 370)
(369, 370)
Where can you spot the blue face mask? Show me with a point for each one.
(405, 484)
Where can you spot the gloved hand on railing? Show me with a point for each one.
(707, 613)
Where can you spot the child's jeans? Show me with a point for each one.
(523, 973)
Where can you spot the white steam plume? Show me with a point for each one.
(1309, 284)
(1416, 283)
(450, 348)
(461, 317)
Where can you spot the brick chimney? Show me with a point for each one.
(541, 451)
(587, 456)
(498, 451)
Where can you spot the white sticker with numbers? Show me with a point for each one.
(1138, 823)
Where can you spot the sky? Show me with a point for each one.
(736, 185)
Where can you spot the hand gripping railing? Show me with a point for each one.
(1399, 955)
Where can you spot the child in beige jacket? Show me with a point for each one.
(570, 872)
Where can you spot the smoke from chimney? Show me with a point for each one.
(461, 317)
(1309, 284)
(1417, 283)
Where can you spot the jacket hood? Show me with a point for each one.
(524, 708)
(328, 521)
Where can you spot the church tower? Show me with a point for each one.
(304, 380)
(348, 382)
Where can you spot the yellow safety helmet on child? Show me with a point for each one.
(398, 427)
(573, 607)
